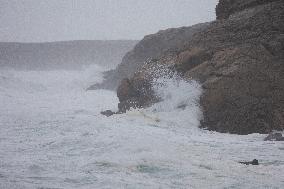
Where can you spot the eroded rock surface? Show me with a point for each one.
(136, 92)
(152, 46)
(239, 61)
(225, 8)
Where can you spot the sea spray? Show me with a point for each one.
(177, 93)
(180, 102)
(179, 97)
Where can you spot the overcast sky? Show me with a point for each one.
(58, 20)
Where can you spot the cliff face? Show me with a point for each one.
(151, 47)
(239, 60)
(225, 8)
(244, 80)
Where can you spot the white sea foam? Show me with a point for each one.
(52, 135)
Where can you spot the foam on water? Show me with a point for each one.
(52, 135)
(180, 101)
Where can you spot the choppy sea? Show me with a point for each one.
(53, 136)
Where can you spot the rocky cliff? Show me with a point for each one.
(225, 8)
(150, 47)
(239, 59)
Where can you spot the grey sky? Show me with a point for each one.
(57, 20)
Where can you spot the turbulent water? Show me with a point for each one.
(52, 135)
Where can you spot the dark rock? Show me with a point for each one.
(253, 162)
(274, 137)
(135, 93)
(125, 90)
(123, 106)
(182, 106)
(238, 60)
(225, 8)
(243, 82)
(108, 113)
(151, 47)
(190, 58)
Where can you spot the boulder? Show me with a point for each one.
(136, 92)
(253, 162)
(108, 113)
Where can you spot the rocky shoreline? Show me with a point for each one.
(237, 58)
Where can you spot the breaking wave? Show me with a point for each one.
(52, 135)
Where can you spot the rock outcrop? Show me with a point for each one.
(239, 59)
(136, 92)
(151, 47)
(225, 8)
(244, 81)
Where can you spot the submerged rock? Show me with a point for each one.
(253, 162)
(108, 113)
(274, 137)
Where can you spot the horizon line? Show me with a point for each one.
(74, 40)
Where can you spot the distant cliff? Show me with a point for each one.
(66, 54)
(238, 59)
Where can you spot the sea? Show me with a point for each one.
(53, 136)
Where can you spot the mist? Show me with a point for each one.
(60, 20)
(124, 94)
